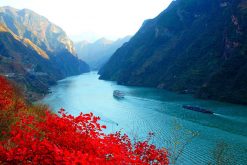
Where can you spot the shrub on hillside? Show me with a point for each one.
(37, 136)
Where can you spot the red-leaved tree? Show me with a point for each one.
(64, 139)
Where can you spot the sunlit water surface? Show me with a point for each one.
(145, 110)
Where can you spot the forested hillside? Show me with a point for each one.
(194, 46)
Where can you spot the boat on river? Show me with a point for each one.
(118, 94)
(197, 109)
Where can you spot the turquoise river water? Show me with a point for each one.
(199, 137)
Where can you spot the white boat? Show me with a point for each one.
(118, 94)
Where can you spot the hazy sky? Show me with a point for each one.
(94, 18)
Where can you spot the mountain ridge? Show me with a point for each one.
(27, 24)
(193, 46)
(33, 56)
(98, 52)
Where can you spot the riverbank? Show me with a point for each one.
(32, 133)
(149, 109)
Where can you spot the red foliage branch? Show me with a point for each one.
(65, 139)
(8, 98)
(6, 94)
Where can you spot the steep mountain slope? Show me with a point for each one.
(98, 53)
(34, 52)
(28, 24)
(49, 39)
(25, 63)
(194, 46)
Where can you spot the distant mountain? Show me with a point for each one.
(98, 53)
(194, 46)
(34, 52)
(28, 24)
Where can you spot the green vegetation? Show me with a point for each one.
(193, 46)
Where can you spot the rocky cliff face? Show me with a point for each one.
(25, 64)
(28, 24)
(35, 52)
(194, 46)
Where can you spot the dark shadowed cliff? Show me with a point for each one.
(194, 46)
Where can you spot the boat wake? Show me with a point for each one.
(216, 114)
(237, 119)
(224, 116)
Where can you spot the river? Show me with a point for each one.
(145, 110)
